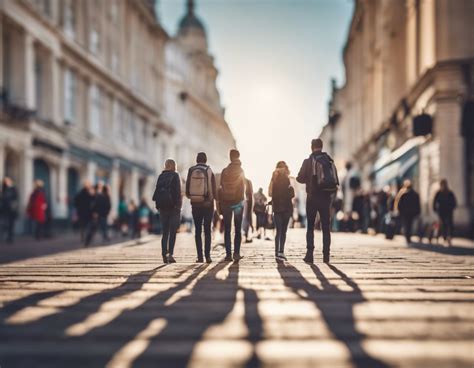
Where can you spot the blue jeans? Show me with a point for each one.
(281, 220)
(170, 223)
(237, 211)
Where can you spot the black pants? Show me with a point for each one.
(281, 220)
(407, 223)
(8, 223)
(237, 212)
(40, 230)
(447, 225)
(202, 216)
(170, 223)
(319, 204)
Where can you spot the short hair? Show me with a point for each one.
(170, 164)
(201, 158)
(234, 154)
(317, 144)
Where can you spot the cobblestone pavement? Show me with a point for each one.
(377, 304)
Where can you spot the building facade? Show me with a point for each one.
(405, 109)
(83, 96)
(192, 101)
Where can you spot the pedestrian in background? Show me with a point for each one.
(247, 221)
(123, 216)
(168, 201)
(101, 206)
(282, 193)
(260, 210)
(8, 208)
(83, 204)
(201, 191)
(444, 204)
(408, 206)
(319, 174)
(231, 195)
(144, 217)
(36, 210)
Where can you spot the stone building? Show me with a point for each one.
(83, 97)
(405, 110)
(192, 101)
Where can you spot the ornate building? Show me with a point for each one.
(405, 110)
(192, 102)
(83, 96)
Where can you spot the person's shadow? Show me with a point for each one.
(337, 309)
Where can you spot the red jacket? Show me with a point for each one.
(37, 206)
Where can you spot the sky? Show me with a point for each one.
(275, 59)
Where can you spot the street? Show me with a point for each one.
(377, 304)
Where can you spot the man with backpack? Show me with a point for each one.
(168, 201)
(231, 203)
(319, 174)
(201, 190)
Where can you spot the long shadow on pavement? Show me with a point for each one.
(337, 309)
(452, 250)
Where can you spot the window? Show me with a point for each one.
(69, 19)
(69, 96)
(95, 116)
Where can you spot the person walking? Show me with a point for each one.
(247, 221)
(8, 208)
(407, 204)
(231, 195)
(37, 205)
(260, 210)
(282, 193)
(319, 174)
(201, 191)
(444, 204)
(167, 197)
(123, 216)
(83, 204)
(99, 212)
(144, 217)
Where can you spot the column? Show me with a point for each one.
(26, 178)
(61, 199)
(114, 188)
(149, 189)
(133, 195)
(29, 72)
(54, 105)
(91, 171)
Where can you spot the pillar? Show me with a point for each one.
(26, 177)
(61, 198)
(54, 107)
(29, 71)
(114, 188)
(91, 171)
(133, 195)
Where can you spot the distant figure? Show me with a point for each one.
(260, 210)
(83, 203)
(100, 210)
(123, 216)
(382, 204)
(231, 195)
(8, 208)
(444, 204)
(36, 209)
(408, 206)
(167, 197)
(201, 190)
(144, 217)
(133, 219)
(281, 192)
(247, 221)
(319, 174)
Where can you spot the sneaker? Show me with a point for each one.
(326, 258)
(228, 258)
(281, 255)
(309, 257)
(200, 260)
(237, 257)
(171, 259)
(165, 259)
(208, 260)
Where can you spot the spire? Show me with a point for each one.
(190, 6)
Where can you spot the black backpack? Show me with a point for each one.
(162, 196)
(324, 173)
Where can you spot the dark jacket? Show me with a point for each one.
(281, 192)
(233, 176)
(83, 202)
(9, 201)
(211, 185)
(409, 204)
(101, 204)
(175, 187)
(305, 177)
(444, 202)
